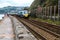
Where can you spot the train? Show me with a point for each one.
(23, 14)
(20, 13)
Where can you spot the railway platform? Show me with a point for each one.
(6, 30)
(12, 29)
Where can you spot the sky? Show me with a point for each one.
(4, 3)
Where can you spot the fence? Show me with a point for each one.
(52, 13)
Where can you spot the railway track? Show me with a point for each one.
(46, 31)
(53, 28)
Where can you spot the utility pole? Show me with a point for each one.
(58, 10)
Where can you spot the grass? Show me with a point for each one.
(48, 21)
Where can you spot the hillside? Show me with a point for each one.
(43, 3)
(11, 8)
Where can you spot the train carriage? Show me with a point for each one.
(23, 13)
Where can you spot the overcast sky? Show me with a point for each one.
(4, 3)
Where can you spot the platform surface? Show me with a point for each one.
(6, 31)
(22, 33)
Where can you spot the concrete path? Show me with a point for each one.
(6, 31)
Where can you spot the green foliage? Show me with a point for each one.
(34, 4)
(48, 21)
(43, 3)
(51, 3)
(26, 8)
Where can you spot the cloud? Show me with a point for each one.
(15, 3)
(4, 4)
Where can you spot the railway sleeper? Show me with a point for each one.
(41, 32)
